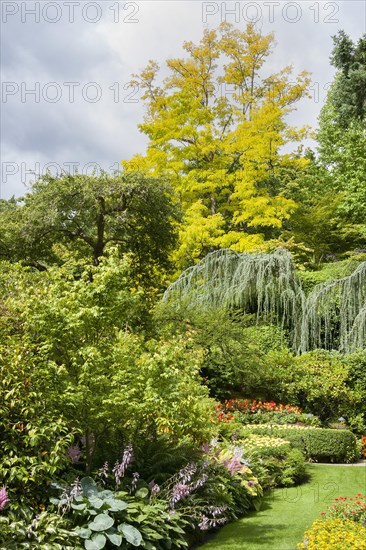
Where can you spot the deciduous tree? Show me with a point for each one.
(217, 125)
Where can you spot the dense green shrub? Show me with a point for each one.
(30, 529)
(317, 444)
(233, 351)
(278, 467)
(317, 381)
(272, 459)
(34, 439)
(356, 416)
(77, 332)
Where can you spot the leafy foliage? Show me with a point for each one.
(342, 129)
(28, 529)
(84, 215)
(333, 315)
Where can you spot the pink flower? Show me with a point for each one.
(4, 499)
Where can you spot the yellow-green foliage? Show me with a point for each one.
(221, 150)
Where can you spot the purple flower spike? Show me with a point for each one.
(135, 478)
(4, 499)
(180, 491)
(119, 469)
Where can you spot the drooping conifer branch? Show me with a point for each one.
(333, 316)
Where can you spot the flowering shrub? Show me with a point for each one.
(353, 508)
(4, 498)
(257, 443)
(102, 518)
(222, 416)
(233, 460)
(273, 460)
(334, 534)
(280, 428)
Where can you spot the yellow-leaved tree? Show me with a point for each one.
(216, 125)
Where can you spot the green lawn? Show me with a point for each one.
(286, 513)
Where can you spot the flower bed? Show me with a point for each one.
(353, 508)
(248, 411)
(334, 534)
(342, 526)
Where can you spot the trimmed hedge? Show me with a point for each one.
(318, 444)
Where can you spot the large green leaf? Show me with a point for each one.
(106, 493)
(96, 502)
(132, 535)
(81, 506)
(142, 493)
(83, 532)
(101, 522)
(115, 538)
(116, 505)
(97, 542)
(89, 487)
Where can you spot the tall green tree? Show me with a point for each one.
(342, 130)
(331, 191)
(84, 215)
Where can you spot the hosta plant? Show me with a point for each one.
(27, 528)
(98, 515)
(103, 518)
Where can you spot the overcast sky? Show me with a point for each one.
(65, 67)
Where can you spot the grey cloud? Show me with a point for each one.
(107, 53)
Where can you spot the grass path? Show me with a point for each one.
(286, 513)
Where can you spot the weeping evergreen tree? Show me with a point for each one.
(333, 316)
